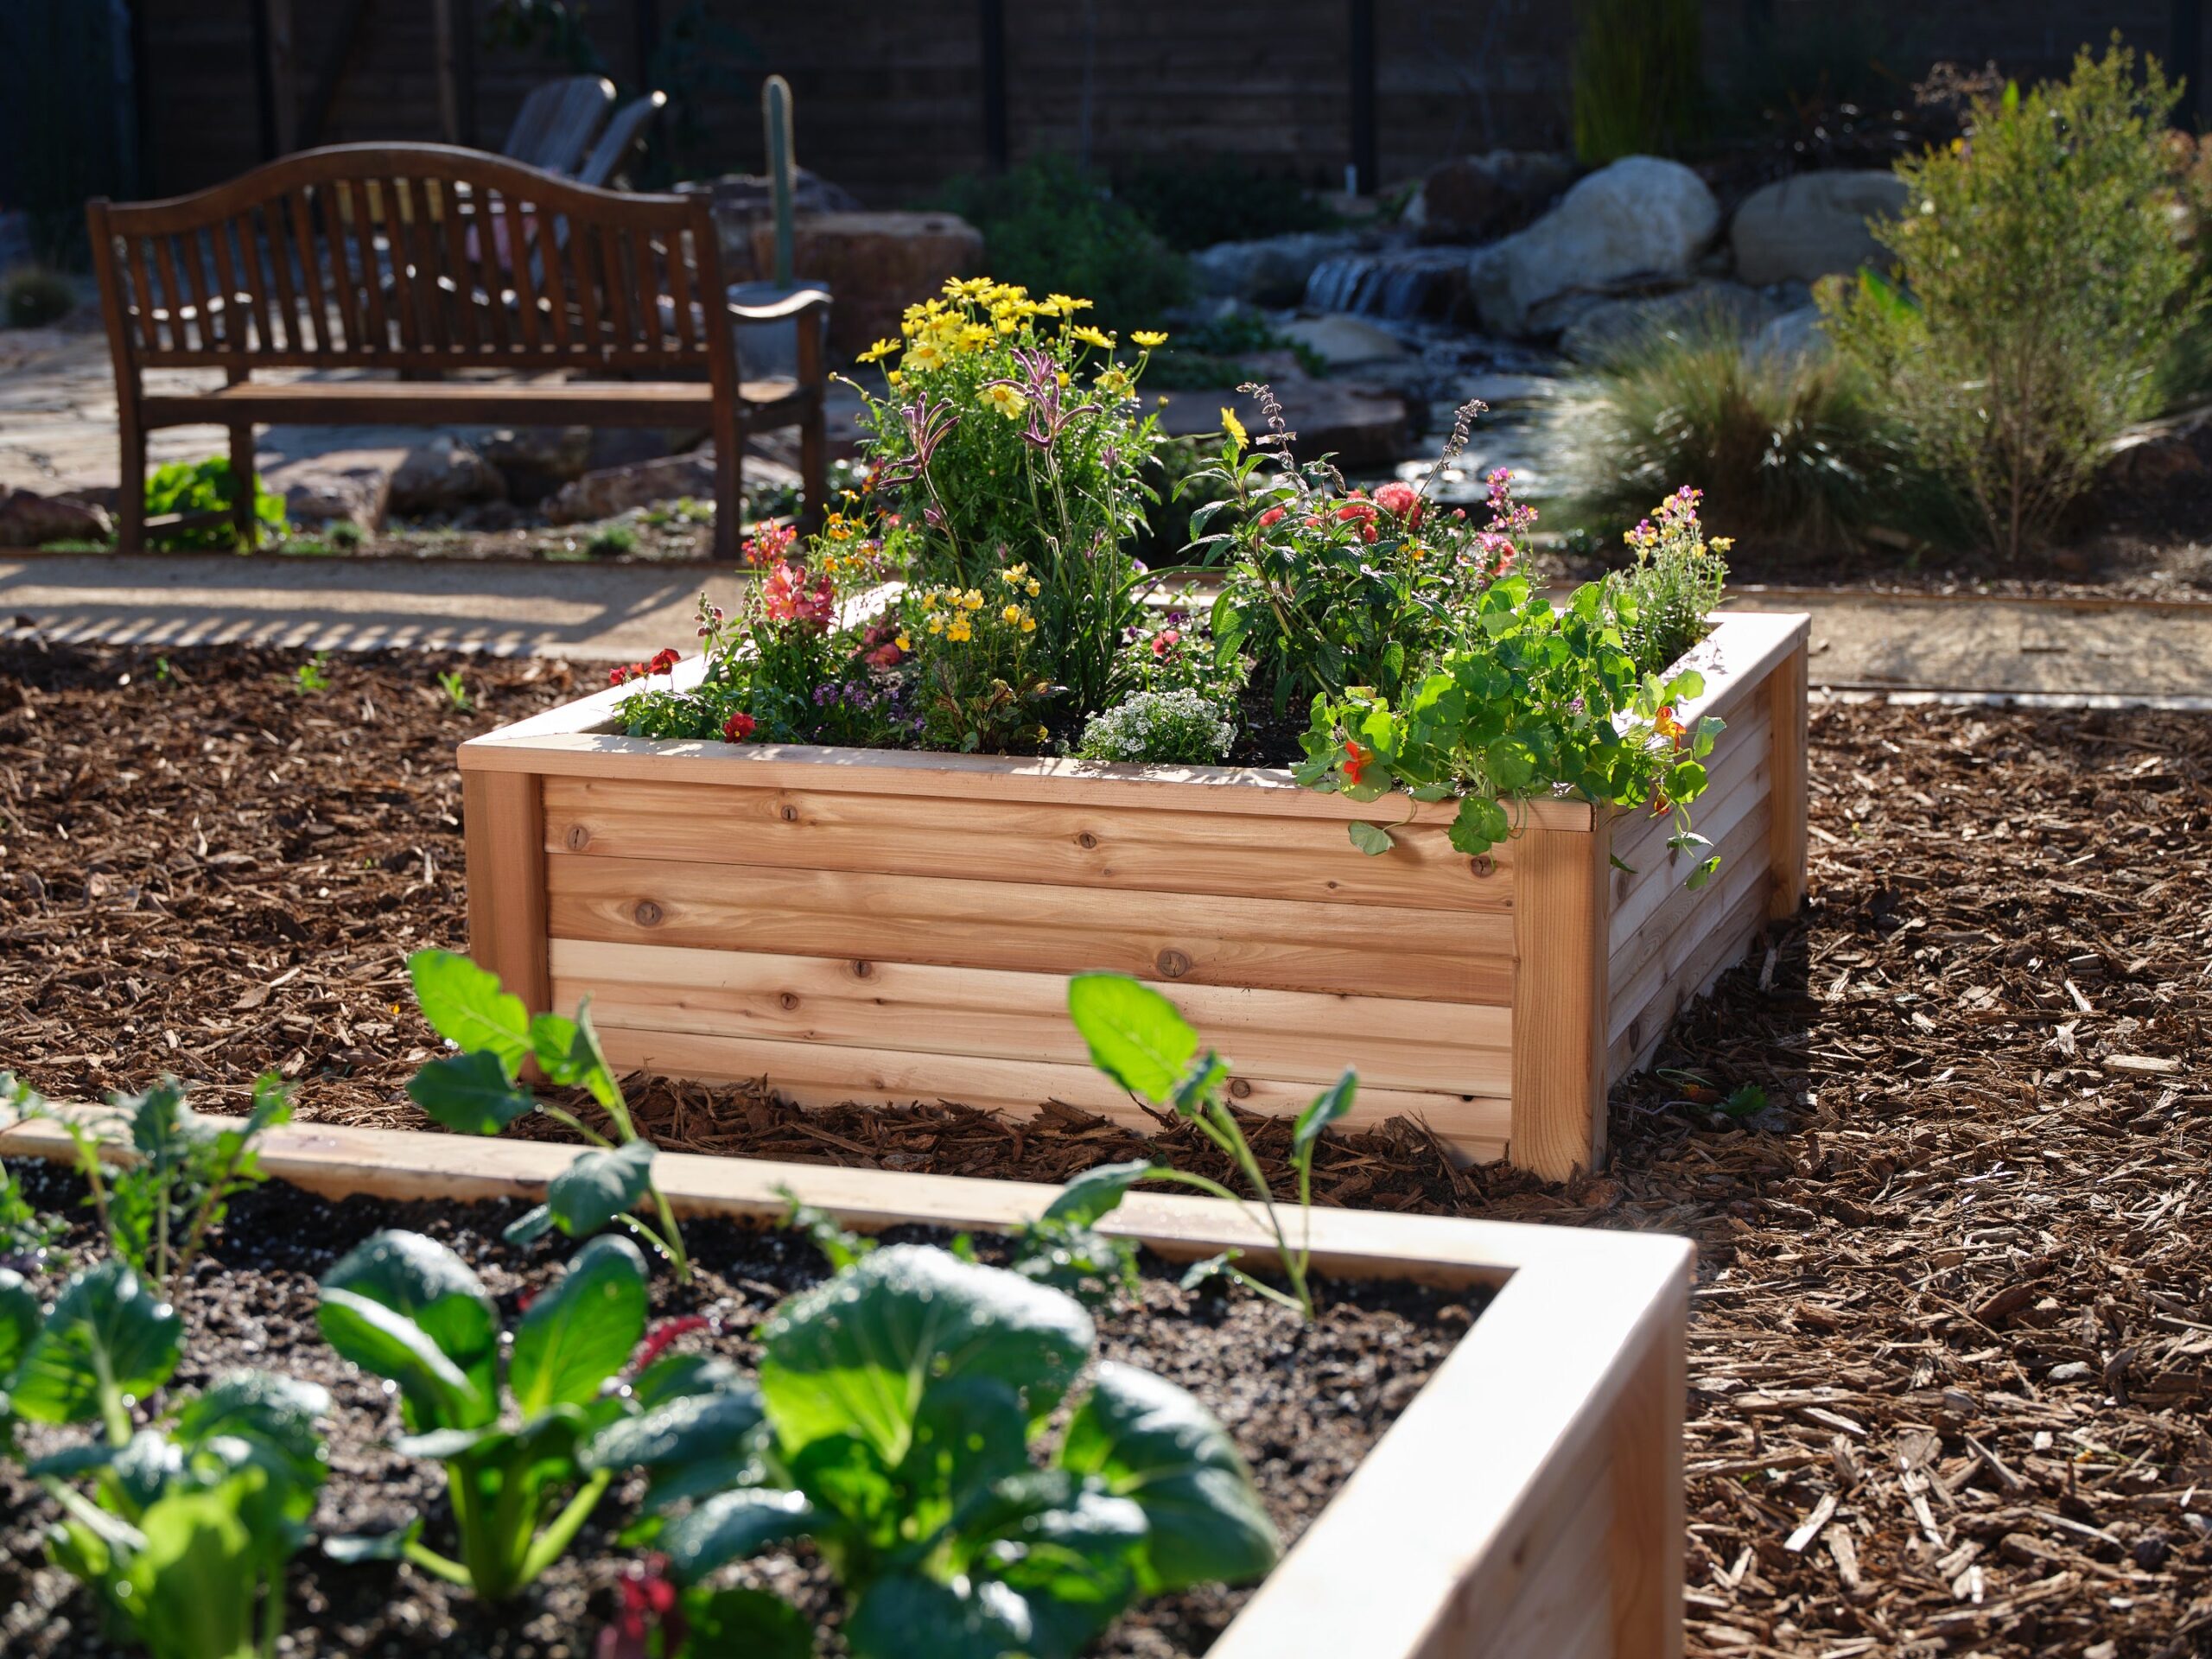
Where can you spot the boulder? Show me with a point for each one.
(1273, 270)
(29, 519)
(1342, 342)
(1477, 198)
(1804, 228)
(535, 461)
(612, 490)
(1605, 327)
(1795, 333)
(875, 266)
(1640, 217)
(441, 475)
(347, 484)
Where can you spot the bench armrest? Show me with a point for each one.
(790, 306)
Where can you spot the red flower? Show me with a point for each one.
(1355, 761)
(651, 1606)
(787, 595)
(1272, 515)
(619, 675)
(1351, 510)
(1368, 533)
(1165, 640)
(768, 544)
(664, 661)
(884, 657)
(1400, 500)
(738, 727)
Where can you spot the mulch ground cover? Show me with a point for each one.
(1305, 1404)
(1951, 1353)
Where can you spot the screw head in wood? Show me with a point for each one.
(1172, 964)
(862, 969)
(790, 813)
(578, 838)
(1239, 1089)
(647, 914)
(1086, 841)
(788, 1000)
(1483, 865)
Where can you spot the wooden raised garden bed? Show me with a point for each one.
(854, 924)
(1527, 1504)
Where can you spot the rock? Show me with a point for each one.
(1477, 198)
(612, 490)
(1273, 270)
(535, 461)
(1361, 426)
(1344, 342)
(743, 200)
(625, 446)
(345, 484)
(1641, 217)
(29, 519)
(1610, 325)
(442, 474)
(1795, 333)
(1803, 228)
(876, 265)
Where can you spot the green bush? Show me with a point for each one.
(2043, 286)
(1221, 199)
(34, 295)
(187, 486)
(1639, 85)
(1054, 229)
(1788, 448)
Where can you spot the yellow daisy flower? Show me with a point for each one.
(1149, 338)
(1090, 336)
(1009, 402)
(1028, 624)
(925, 354)
(1235, 427)
(1030, 587)
(1114, 383)
(881, 349)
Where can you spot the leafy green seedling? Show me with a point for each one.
(1747, 1101)
(1137, 1037)
(456, 690)
(159, 1210)
(904, 1400)
(182, 1529)
(312, 677)
(513, 1423)
(479, 1092)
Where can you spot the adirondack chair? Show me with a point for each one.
(619, 145)
(557, 122)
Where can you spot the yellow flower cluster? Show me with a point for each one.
(953, 612)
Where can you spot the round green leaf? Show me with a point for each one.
(465, 1005)
(1136, 1035)
(731, 1526)
(431, 1288)
(470, 1094)
(689, 1428)
(577, 1334)
(105, 1323)
(599, 1186)
(1371, 838)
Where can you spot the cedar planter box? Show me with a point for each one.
(856, 924)
(1527, 1504)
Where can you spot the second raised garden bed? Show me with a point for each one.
(863, 924)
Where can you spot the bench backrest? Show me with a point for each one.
(411, 257)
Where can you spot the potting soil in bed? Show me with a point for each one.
(1304, 1404)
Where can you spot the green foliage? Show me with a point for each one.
(1137, 1037)
(159, 1210)
(181, 1529)
(1533, 698)
(312, 677)
(455, 686)
(2043, 285)
(612, 541)
(344, 535)
(185, 486)
(1639, 78)
(1800, 450)
(1663, 600)
(523, 1476)
(905, 1401)
(1174, 728)
(1195, 203)
(1053, 229)
(479, 1092)
(31, 297)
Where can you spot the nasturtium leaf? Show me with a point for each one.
(1371, 838)
(105, 1323)
(1328, 1106)
(465, 1005)
(1480, 825)
(905, 1616)
(20, 1319)
(1685, 781)
(688, 1428)
(1136, 1035)
(599, 1186)
(470, 1094)
(731, 1526)
(1150, 1441)
(853, 1355)
(742, 1624)
(578, 1334)
(1097, 1192)
(1703, 874)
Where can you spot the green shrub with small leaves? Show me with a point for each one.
(185, 486)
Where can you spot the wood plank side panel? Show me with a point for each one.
(1742, 846)
(1790, 754)
(1290, 1036)
(825, 1074)
(1310, 859)
(1559, 1001)
(1425, 955)
(503, 826)
(1644, 1539)
(1720, 945)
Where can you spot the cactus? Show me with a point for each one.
(775, 112)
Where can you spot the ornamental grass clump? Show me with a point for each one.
(2042, 282)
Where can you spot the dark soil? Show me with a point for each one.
(1959, 1262)
(1305, 1406)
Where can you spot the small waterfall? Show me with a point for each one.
(1397, 284)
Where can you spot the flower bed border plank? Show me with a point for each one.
(1528, 1503)
(1212, 883)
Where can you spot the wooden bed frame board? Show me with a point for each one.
(1528, 1504)
(884, 925)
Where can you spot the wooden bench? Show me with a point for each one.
(438, 263)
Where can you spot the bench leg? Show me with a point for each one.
(729, 490)
(130, 488)
(241, 514)
(814, 469)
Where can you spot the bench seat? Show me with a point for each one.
(375, 403)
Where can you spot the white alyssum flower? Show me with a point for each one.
(1163, 728)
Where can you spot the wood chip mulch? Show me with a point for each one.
(1951, 1351)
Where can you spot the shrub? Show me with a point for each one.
(1172, 728)
(2043, 285)
(185, 486)
(1221, 199)
(1052, 228)
(1639, 69)
(612, 542)
(1791, 447)
(34, 295)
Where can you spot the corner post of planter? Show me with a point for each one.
(1559, 917)
(1786, 701)
(1644, 1552)
(502, 825)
